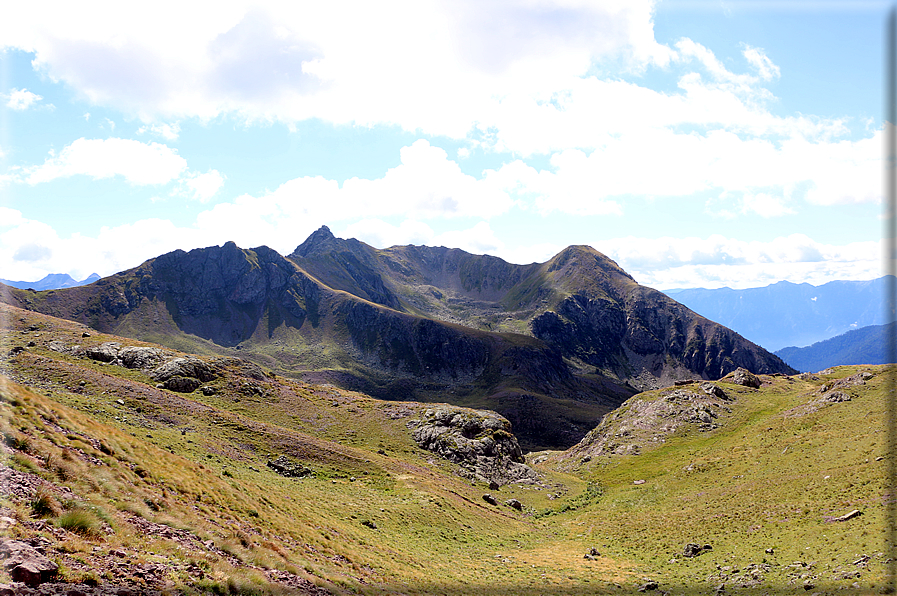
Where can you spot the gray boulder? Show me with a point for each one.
(514, 504)
(140, 357)
(714, 391)
(745, 378)
(183, 367)
(106, 352)
(181, 384)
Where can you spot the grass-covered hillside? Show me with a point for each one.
(123, 482)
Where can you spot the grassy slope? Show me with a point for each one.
(757, 482)
(435, 534)
(772, 476)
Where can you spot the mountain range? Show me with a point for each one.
(551, 346)
(867, 345)
(53, 281)
(785, 314)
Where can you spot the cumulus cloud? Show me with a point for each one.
(762, 176)
(757, 58)
(169, 132)
(480, 239)
(425, 185)
(139, 163)
(21, 99)
(421, 65)
(381, 234)
(30, 249)
(202, 187)
(718, 261)
(506, 75)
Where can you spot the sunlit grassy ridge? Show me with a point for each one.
(381, 516)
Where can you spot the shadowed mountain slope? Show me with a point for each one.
(867, 345)
(550, 346)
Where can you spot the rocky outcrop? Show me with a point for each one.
(189, 366)
(643, 421)
(143, 358)
(479, 441)
(25, 564)
(745, 378)
(289, 469)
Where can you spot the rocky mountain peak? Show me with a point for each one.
(319, 241)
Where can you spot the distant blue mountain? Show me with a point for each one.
(861, 346)
(54, 281)
(786, 314)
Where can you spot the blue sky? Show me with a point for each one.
(699, 144)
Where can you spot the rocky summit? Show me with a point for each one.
(550, 346)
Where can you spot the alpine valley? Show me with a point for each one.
(421, 420)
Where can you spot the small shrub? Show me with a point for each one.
(24, 463)
(79, 521)
(64, 472)
(242, 537)
(45, 504)
(17, 442)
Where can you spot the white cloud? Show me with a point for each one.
(533, 253)
(169, 132)
(480, 239)
(765, 205)
(718, 261)
(381, 234)
(202, 187)
(421, 65)
(760, 61)
(508, 75)
(425, 185)
(767, 176)
(30, 249)
(138, 163)
(21, 99)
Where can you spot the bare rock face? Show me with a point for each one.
(25, 564)
(479, 441)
